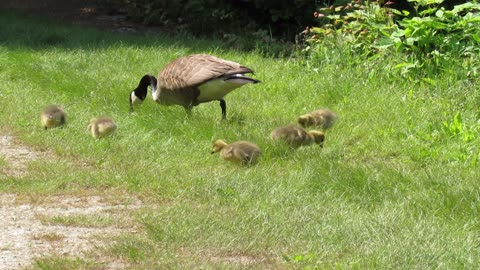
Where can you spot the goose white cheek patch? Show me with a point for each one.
(135, 99)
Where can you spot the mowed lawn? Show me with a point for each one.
(396, 185)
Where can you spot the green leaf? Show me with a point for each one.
(476, 37)
(333, 17)
(430, 81)
(406, 65)
(439, 13)
(410, 41)
(427, 11)
(398, 33)
(469, 5)
(383, 43)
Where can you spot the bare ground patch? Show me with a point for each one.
(34, 226)
(16, 156)
(26, 233)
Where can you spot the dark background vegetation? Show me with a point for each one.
(276, 19)
(281, 18)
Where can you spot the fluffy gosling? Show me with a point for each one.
(296, 136)
(101, 127)
(241, 152)
(52, 116)
(322, 118)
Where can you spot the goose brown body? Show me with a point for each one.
(194, 79)
(321, 118)
(52, 116)
(241, 152)
(101, 127)
(296, 136)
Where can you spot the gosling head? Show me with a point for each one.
(218, 145)
(138, 95)
(52, 116)
(305, 120)
(318, 137)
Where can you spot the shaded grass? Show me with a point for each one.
(394, 186)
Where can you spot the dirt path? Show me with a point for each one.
(27, 234)
(28, 229)
(16, 156)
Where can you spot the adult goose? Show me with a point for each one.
(191, 80)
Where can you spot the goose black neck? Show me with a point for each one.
(142, 88)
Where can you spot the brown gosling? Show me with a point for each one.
(101, 127)
(296, 136)
(52, 116)
(241, 152)
(322, 118)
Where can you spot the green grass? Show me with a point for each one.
(79, 220)
(396, 185)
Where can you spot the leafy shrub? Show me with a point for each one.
(435, 36)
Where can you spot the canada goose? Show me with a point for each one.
(296, 136)
(101, 127)
(52, 116)
(322, 118)
(241, 152)
(191, 80)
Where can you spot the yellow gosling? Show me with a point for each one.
(296, 136)
(52, 116)
(322, 118)
(101, 127)
(241, 152)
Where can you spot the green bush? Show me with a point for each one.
(433, 38)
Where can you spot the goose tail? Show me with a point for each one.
(241, 79)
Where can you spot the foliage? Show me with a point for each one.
(282, 18)
(435, 37)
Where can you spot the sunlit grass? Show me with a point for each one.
(394, 187)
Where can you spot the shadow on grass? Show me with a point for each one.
(21, 31)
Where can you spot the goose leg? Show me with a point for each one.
(223, 105)
(188, 109)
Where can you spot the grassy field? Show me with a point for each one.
(396, 185)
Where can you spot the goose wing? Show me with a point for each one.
(193, 70)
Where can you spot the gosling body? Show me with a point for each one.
(241, 152)
(321, 118)
(191, 80)
(101, 127)
(296, 136)
(52, 116)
